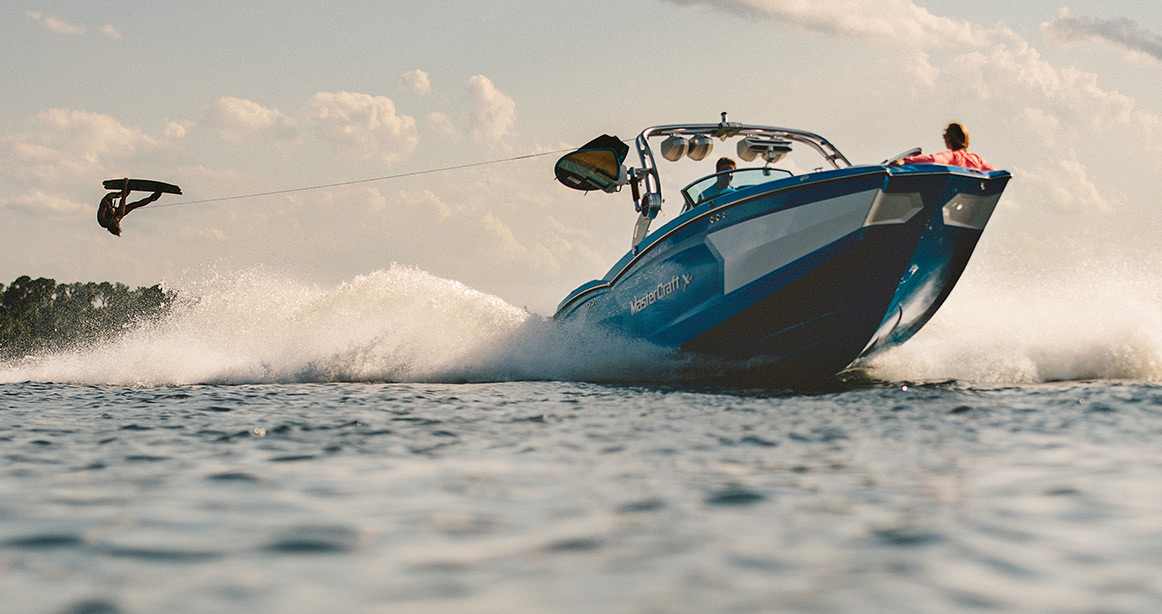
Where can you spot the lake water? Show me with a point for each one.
(404, 444)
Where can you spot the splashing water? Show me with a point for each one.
(401, 324)
(1090, 322)
(405, 325)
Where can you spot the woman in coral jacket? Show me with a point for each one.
(956, 140)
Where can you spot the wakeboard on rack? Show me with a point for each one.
(595, 166)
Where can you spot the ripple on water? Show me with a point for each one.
(937, 499)
(159, 555)
(145, 458)
(92, 606)
(906, 537)
(314, 540)
(293, 458)
(645, 505)
(734, 495)
(233, 476)
(44, 541)
(575, 544)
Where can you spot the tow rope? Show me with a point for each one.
(359, 181)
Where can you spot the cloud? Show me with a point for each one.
(177, 130)
(493, 112)
(505, 240)
(235, 119)
(55, 24)
(39, 202)
(898, 22)
(1016, 75)
(424, 200)
(60, 26)
(362, 126)
(443, 125)
(1068, 27)
(920, 68)
(67, 143)
(375, 199)
(504, 244)
(417, 81)
(1065, 134)
(1063, 184)
(1040, 122)
(503, 227)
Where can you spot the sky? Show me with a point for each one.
(231, 99)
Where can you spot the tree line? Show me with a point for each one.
(38, 315)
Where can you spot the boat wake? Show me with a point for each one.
(394, 325)
(406, 325)
(1098, 321)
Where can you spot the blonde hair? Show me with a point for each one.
(957, 135)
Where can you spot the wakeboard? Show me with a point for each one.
(143, 185)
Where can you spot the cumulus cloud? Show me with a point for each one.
(505, 240)
(493, 111)
(362, 126)
(177, 130)
(417, 81)
(1016, 73)
(920, 68)
(235, 119)
(1068, 27)
(64, 143)
(55, 24)
(898, 22)
(1041, 122)
(1061, 121)
(504, 243)
(443, 125)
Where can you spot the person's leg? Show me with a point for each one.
(141, 203)
(131, 206)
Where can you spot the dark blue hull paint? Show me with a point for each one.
(807, 319)
(939, 259)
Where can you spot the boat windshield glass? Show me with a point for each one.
(727, 181)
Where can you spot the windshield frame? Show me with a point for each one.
(771, 174)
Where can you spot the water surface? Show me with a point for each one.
(402, 443)
(572, 497)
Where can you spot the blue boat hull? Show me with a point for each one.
(791, 281)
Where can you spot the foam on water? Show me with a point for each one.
(405, 325)
(1010, 326)
(400, 324)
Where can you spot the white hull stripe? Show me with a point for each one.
(757, 247)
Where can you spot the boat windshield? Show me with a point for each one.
(727, 181)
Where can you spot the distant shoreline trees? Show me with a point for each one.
(38, 315)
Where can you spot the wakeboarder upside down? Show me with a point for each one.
(109, 215)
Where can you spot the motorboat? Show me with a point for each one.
(789, 275)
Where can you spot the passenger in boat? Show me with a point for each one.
(109, 215)
(956, 140)
(722, 185)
